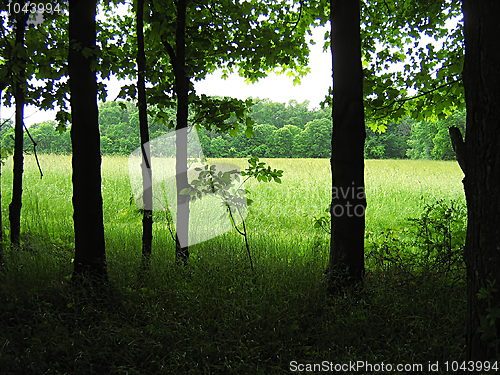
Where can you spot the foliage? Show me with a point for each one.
(6, 139)
(489, 322)
(44, 57)
(432, 244)
(314, 140)
(214, 42)
(48, 139)
(405, 75)
(390, 144)
(435, 241)
(440, 235)
(443, 149)
(430, 139)
(265, 111)
(120, 136)
(420, 141)
(323, 222)
(233, 198)
(281, 140)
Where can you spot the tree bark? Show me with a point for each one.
(1, 215)
(90, 256)
(182, 86)
(19, 82)
(482, 160)
(147, 174)
(346, 265)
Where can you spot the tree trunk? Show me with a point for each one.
(346, 265)
(19, 82)
(1, 216)
(90, 254)
(147, 175)
(181, 84)
(481, 159)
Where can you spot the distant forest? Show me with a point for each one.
(281, 131)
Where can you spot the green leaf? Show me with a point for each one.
(187, 191)
(61, 128)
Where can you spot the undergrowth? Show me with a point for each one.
(431, 244)
(219, 317)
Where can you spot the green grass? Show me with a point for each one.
(398, 189)
(395, 189)
(219, 317)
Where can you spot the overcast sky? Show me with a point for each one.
(313, 87)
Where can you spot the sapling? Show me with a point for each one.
(324, 221)
(233, 198)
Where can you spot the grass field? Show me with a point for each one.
(395, 190)
(219, 317)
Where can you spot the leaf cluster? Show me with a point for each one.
(251, 37)
(412, 60)
(222, 184)
(41, 57)
(259, 171)
(214, 112)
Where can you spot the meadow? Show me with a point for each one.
(218, 316)
(395, 190)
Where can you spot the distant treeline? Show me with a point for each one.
(281, 131)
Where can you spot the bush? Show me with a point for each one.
(440, 236)
(433, 245)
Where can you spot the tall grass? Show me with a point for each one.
(279, 222)
(398, 189)
(218, 317)
(395, 190)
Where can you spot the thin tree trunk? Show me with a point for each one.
(1, 216)
(480, 160)
(90, 256)
(19, 82)
(346, 265)
(147, 175)
(181, 83)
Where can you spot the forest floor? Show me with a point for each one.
(220, 317)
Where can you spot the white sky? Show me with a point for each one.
(313, 87)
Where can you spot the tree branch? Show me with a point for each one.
(34, 150)
(402, 101)
(459, 147)
(171, 54)
(298, 20)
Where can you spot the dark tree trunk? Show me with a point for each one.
(1, 218)
(90, 256)
(181, 84)
(480, 160)
(346, 265)
(147, 174)
(19, 82)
